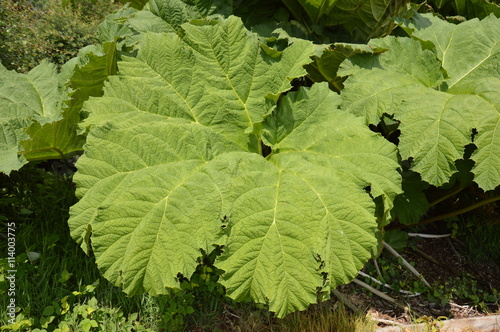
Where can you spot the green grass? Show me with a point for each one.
(483, 242)
(38, 202)
(329, 316)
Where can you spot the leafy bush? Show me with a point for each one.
(210, 135)
(34, 31)
(215, 161)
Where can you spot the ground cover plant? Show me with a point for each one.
(204, 131)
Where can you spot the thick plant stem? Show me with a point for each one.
(345, 301)
(445, 197)
(459, 212)
(449, 214)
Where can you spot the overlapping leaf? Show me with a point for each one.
(177, 12)
(237, 79)
(315, 9)
(412, 204)
(326, 64)
(169, 168)
(159, 16)
(467, 8)
(26, 99)
(40, 110)
(437, 113)
(469, 50)
(366, 19)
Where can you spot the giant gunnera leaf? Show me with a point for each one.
(39, 111)
(159, 16)
(443, 86)
(25, 99)
(173, 164)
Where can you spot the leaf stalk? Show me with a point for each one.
(449, 214)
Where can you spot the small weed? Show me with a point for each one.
(79, 311)
(431, 324)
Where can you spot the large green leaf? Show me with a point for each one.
(370, 91)
(25, 100)
(326, 64)
(237, 79)
(467, 8)
(315, 9)
(467, 51)
(34, 95)
(160, 16)
(113, 27)
(437, 114)
(40, 110)
(169, 168)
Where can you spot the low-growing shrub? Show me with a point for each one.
(35, 30)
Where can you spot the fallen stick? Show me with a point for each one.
(405, 263)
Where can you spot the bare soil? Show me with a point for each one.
(446, 259)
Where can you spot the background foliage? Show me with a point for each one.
(31, 31)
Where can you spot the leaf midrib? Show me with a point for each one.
(475, 67)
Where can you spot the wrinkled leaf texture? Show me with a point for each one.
(24, 99)
(325, 65)
(40, 110)
(159, 16)
(172, 165)
(440, 85)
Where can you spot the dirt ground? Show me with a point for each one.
(445, 259)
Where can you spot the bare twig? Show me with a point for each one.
(454, 250)
(429, 236)
(377, 268)
(345, 301)
(379, 293)
(387, 322)
(405, 263)
(361, 273)
(424, 255)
